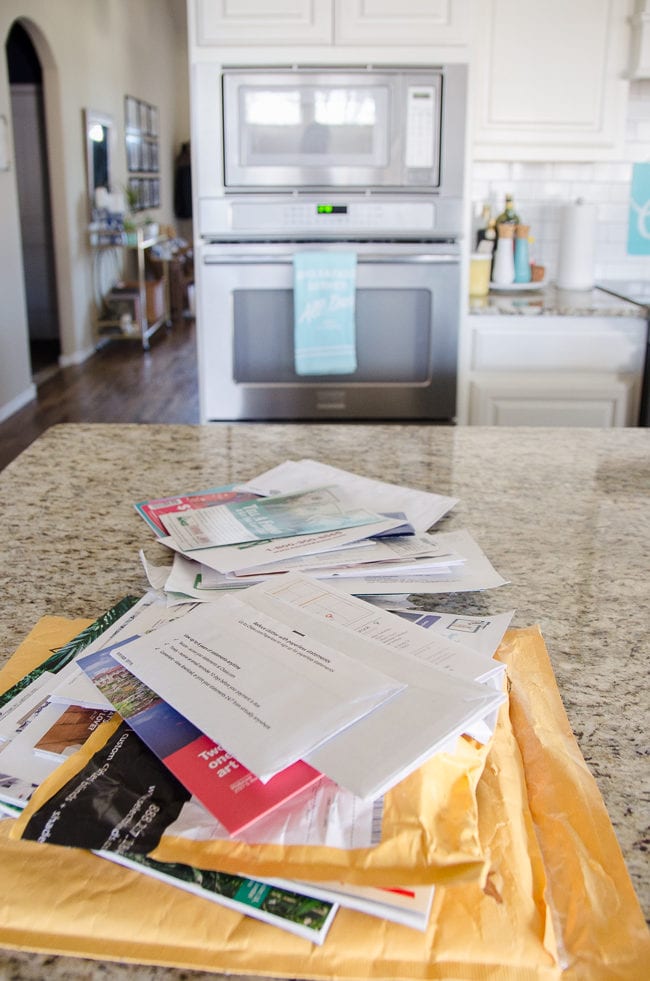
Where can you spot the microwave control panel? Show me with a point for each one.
(420, 126)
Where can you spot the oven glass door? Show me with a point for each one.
(384, 354)
(406, 333)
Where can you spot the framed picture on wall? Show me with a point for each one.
(142, 152)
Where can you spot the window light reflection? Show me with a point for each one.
(327, 107)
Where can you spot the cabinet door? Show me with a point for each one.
(542, 401)
(243, 22)
(430, 22)
(548, 81)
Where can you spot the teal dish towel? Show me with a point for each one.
(324, 333)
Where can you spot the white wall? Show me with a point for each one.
(540, 190)
(93, 53)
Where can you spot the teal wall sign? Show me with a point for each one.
(638, 236)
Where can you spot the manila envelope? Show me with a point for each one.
(557, 901)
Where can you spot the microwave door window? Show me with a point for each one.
(298, 133)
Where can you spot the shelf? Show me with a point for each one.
(136, 295)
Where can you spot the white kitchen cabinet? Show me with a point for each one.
(224, 23)
(267, 22)
(408, 22)
(548, 79)
(552, 371)
(537, 400)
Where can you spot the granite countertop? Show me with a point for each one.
(551, 301)
(561, 513)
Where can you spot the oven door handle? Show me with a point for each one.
(224, 259)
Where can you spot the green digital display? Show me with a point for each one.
(331, 209)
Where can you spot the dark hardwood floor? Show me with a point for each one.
(120, 383)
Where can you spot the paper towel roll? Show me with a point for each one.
(577, 246)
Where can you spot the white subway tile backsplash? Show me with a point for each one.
(620, 192)
(597, 192)
(573, 171)
(643, 132)
(554, 190)
(496, 171)
(613, 232)
(638, 152)
(531, 171)
(611, 212)
(612, 172)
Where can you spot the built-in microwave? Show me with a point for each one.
(332, 128)
(304, 130)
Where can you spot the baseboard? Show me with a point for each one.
(78, 357)
(19, 402)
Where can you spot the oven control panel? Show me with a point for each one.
(326, 216)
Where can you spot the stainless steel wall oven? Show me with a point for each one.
(365, 161)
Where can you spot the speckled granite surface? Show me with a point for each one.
(563, 514)
(551, 301)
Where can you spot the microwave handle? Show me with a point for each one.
(283, 259)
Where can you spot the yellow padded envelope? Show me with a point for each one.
(549, 869)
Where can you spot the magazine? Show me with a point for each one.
(153, 509)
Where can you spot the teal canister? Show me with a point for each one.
(522, 257)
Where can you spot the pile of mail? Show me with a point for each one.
(272, 687)
(368, 536)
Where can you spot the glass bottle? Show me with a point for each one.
(508, 216)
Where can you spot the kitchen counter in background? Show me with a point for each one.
(553, 357)
(551, 301)
(561, 513)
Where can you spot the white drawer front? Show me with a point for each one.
(562, 343)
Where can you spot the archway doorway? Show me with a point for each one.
(32, 176)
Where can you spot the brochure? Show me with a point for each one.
(308, 512)
(153, 509)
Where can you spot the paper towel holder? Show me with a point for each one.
(577, 246)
